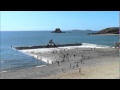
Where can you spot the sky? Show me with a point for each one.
(50, 20)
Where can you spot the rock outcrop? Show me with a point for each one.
(57, 30)
(113, 30)
(110, 30)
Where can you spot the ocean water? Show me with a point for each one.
(13, 59)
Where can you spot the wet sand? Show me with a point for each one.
(70, 63)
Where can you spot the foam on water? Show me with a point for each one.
(94, 45)
(1, 61)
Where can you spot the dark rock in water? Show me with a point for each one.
(110, 30)
(57, 30)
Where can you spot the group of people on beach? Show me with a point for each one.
(66, 55)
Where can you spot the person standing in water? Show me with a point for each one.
(11, 46)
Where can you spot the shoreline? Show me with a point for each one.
(48, 50)
(45, 50)
(99, 62)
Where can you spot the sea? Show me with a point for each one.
(13, 59)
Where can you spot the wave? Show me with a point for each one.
(94, 45)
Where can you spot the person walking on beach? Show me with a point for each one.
(82, 56)
(64, 56)
(62, 69)
(70, 65)
(79, 70)
(74, 55)
(52, 62)
(81, 61)
(53, 51)
(77, 65)
(48, 61)
(58, 62)
(67, 54)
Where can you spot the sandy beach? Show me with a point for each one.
(75, 62)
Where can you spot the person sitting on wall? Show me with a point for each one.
(55, 45)
(50, 42)
(48, 46)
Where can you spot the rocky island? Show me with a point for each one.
(110, 30)
(57, 30)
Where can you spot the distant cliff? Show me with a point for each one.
(110, 30)
(113, 30)
(57, 30)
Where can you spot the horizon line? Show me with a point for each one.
(50, 30)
